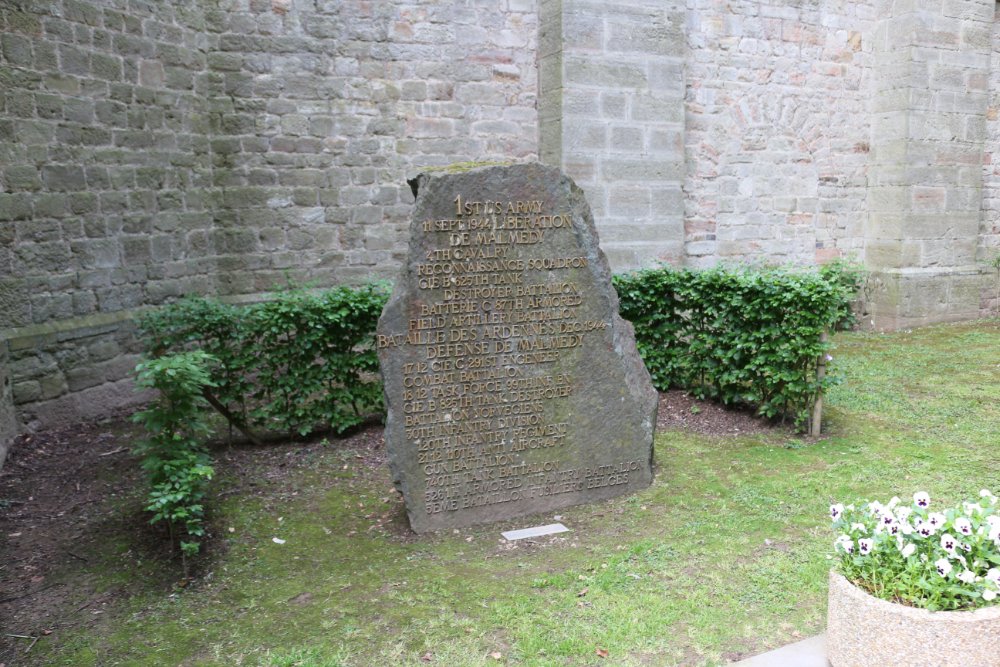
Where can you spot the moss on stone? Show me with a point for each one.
(24, 22)
(462, 167)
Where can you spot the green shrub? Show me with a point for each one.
(173, 453)
(295, 363)
(744, 335)
(849, 277)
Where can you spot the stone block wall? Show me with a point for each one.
(329, 105)
(988, 248)
(611, 116)
(778, 133)
(106, 197)
(811, 131)
(105, 177)
(930, 98)
(152, 149)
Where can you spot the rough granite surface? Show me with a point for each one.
(512, 385)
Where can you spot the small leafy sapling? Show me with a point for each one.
(173, 453)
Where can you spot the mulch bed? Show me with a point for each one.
(62, 490)
(678, 410)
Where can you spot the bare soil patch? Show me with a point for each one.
(64, 492)
(680, 410)
(59, 492)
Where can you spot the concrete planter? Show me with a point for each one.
(863, 631)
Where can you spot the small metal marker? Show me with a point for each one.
(535, 531)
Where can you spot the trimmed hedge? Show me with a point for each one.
(304, 361)
(740, 335)
(296, 363)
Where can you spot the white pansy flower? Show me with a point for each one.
(963, 525)
(925, 529)
(922, 499)
(908, 550)
(836, 511)
(989, 595)
(965, 546)
(859, 527)
(903, 513)
(966, 576)
(905, 527)
(936, 519)
(948, 543)
(943, 566)
(844, 542)
(866, 546)
(993, 574)
(893, 502)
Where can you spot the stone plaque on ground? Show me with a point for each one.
(512, 385)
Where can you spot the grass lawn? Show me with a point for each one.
(724, 556)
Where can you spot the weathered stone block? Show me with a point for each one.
(16, 49)
(26, 392)
(36, 258)
(52, 385)
(630, 201)
(106, 67)
(15, 207)
(656, 35)
(603, 73)
(96, 253)
(64, 177)
(512, 385)
(74, 60)
(617, 169)
(628, 139)
(21, 177)
(8, 415)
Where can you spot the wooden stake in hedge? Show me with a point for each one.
(816, 422)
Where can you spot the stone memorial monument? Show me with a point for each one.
(512, 385)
